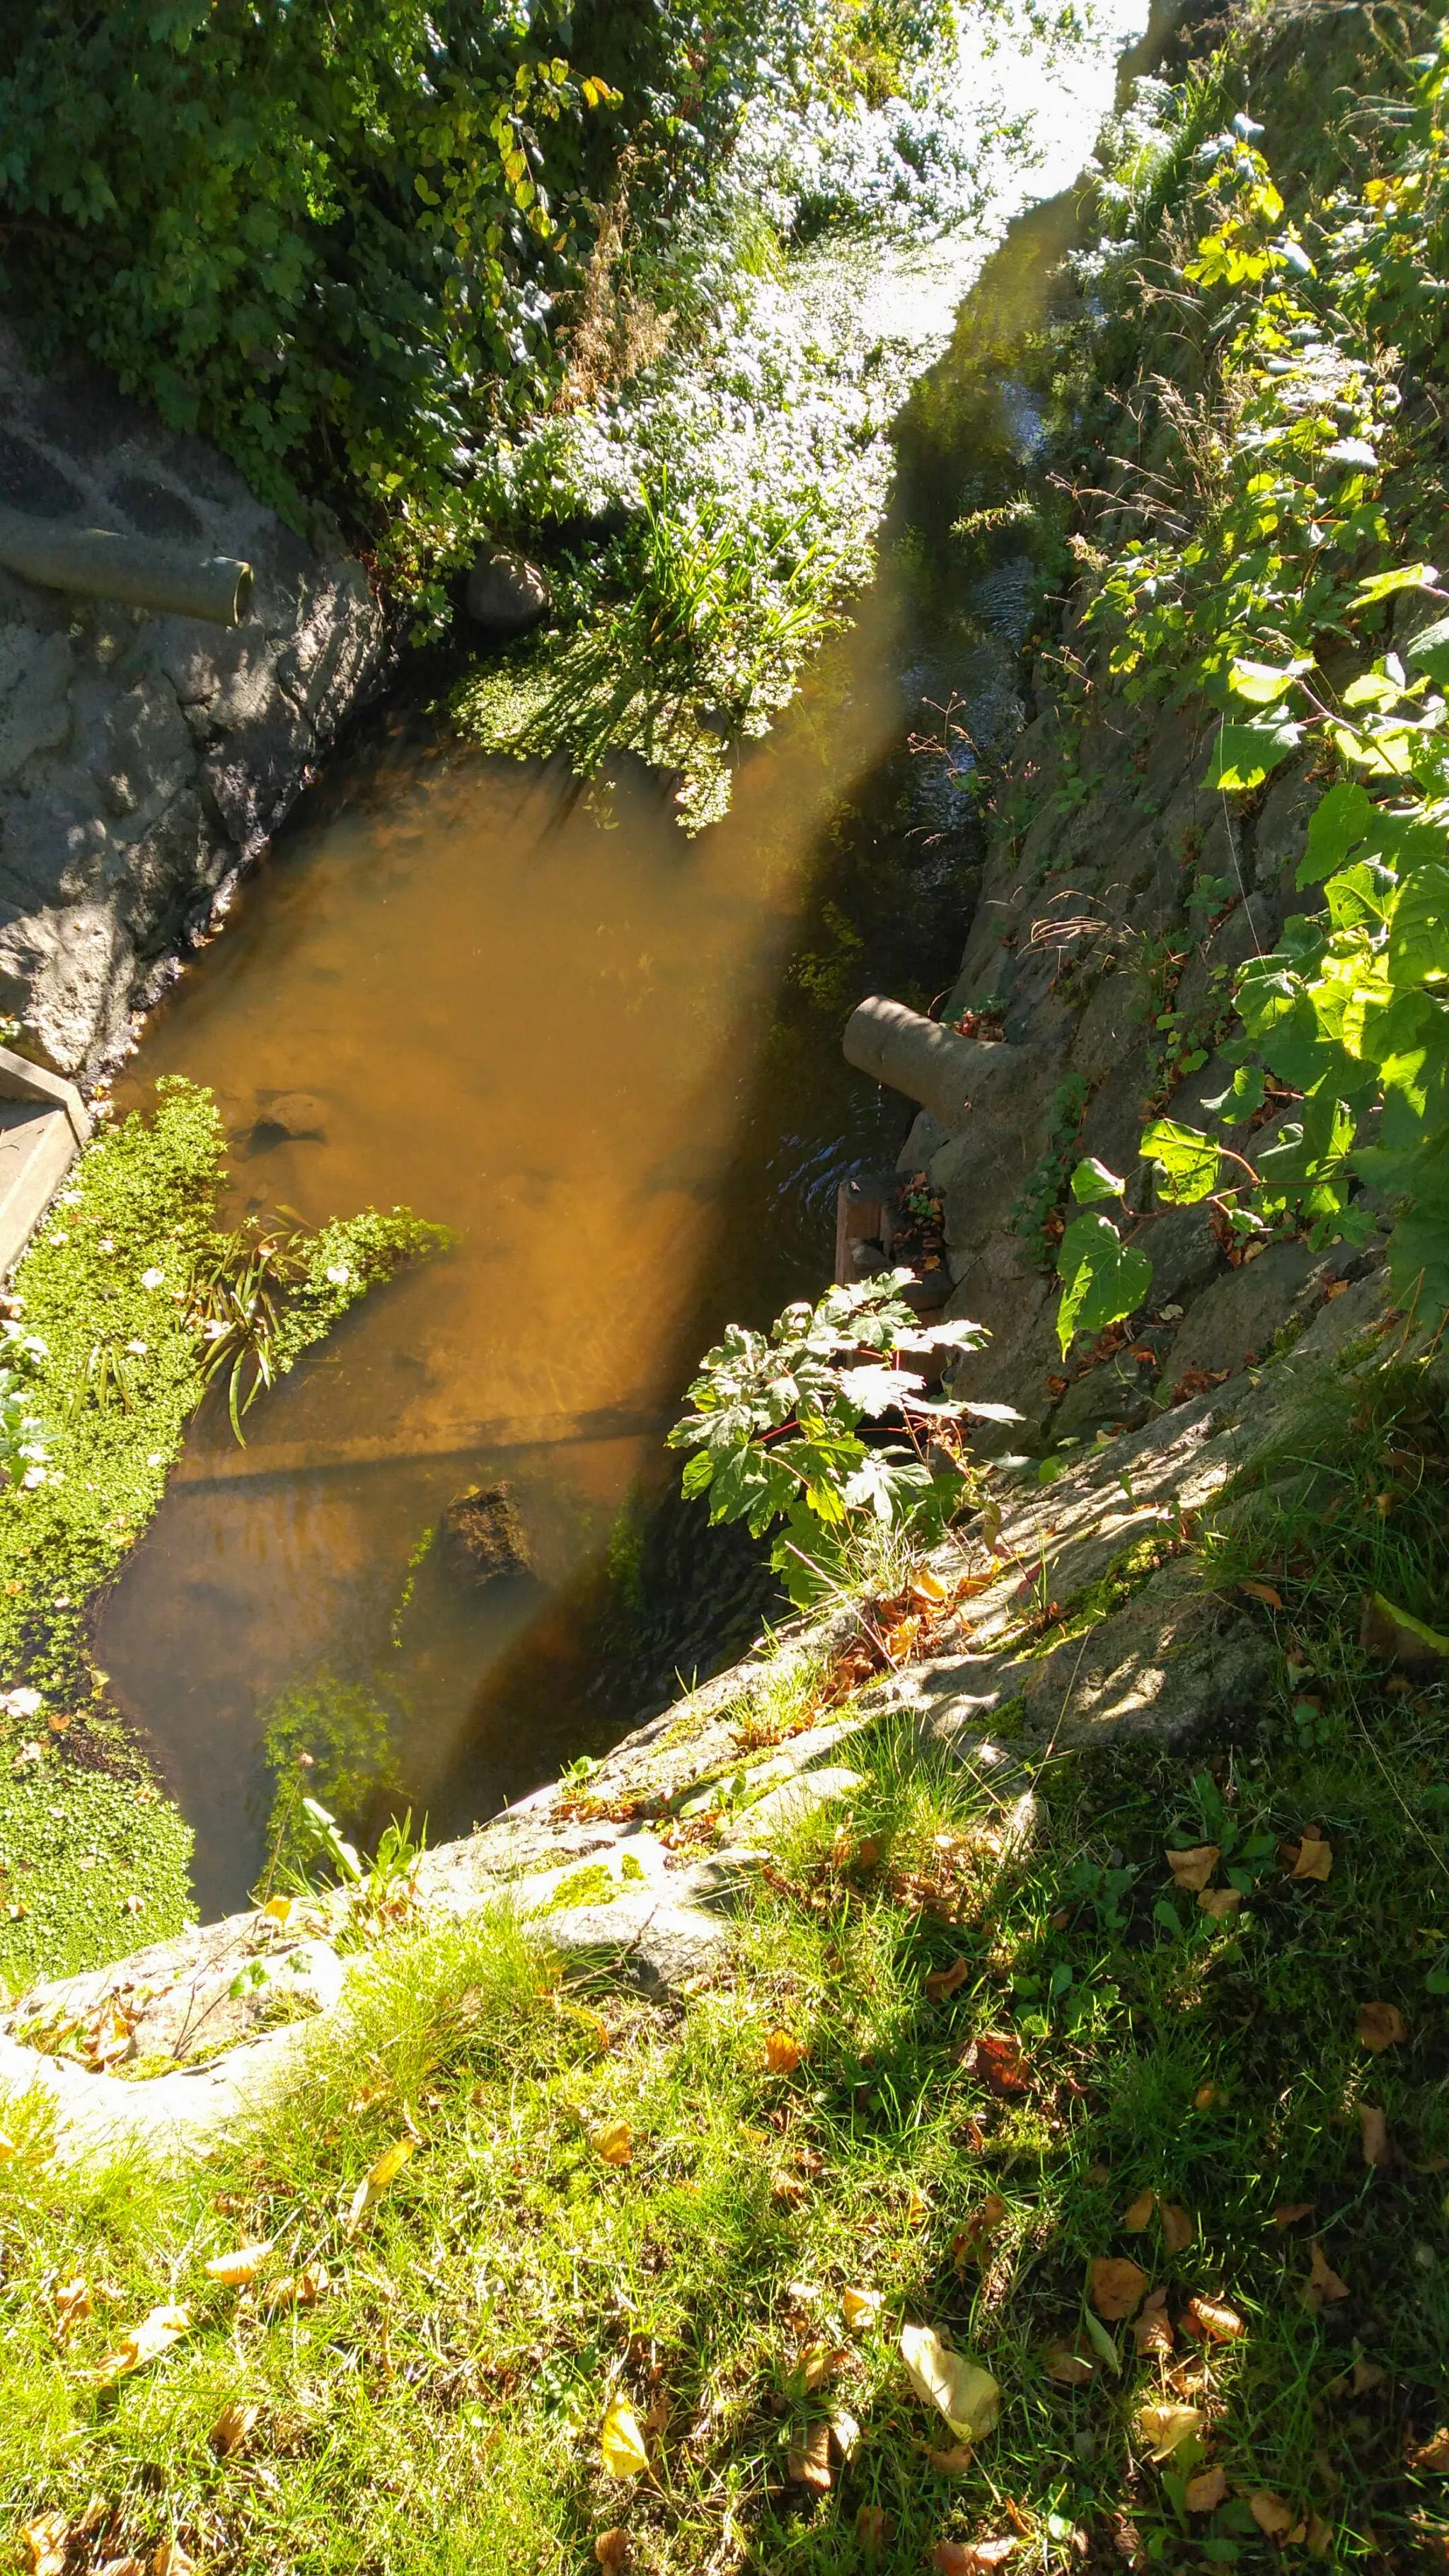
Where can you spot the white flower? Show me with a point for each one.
(155, 1457)
(69, 1198)
(339, 1276)
(153, 1278)
(23, 1703)
(139, 1348)
(32, 1477)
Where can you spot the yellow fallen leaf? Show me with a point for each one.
(297, 2289)
(1374, 2130)
(170, 2559)
(1315, 1856)
(968, 2397)
(375, 2182)
(1381, 2026)
(1178, 2227)
(1152, 2332)
(782, 2053)
(807, 2461)
(280, 1909)
(155, 2334)
(845, 2432)
(73, 2304)
(1215, 2319)
(817, 2363)
(860, 2308)
(1138, 2213)
(234, 2270)
(1192, 1869)
(927, 1587)
(615, 2144)
(1220, 1904)
(1165, 2428)
(621, 2444)
(1205, 2492)
(1116, 2286)
(1271, 2514)
(232, 2427)
(46, 2539)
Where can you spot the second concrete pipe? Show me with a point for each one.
(935, 1066)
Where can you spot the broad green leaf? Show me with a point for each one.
(1431, 648)
(1383, 585)
(1340, 820)
(1105, 1278)
(1091, 1181)
(1189, 1163)
(1245, 754)
(1419, 935)
(1261, 684)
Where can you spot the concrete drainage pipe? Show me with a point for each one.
(932, 1065)
(136, 571)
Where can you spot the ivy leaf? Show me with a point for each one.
(1383, 585)
(1244, 754)
(1189, 1163)
(1091, 1181)
(1105, 1278)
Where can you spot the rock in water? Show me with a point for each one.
(483, 1536)
(506, 594)
(291, 1113)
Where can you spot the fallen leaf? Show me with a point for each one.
(1210, 2097)
(1381, 2026)
(899, 1639)
(1151, 2332)
(1179, 2227)
(611, 2548)
(845, 2432)
(1271, 2514)
(928, 1587)
(155, 2334)
(968, 2397)
(45, 2539)
(808, 2459)
(73, 2304)
(1315, 1856)
(819, 2362)
(998, 2058)
(1368, 2375)
(1138, 2214)
(234, 2270)
(980, 2226)
(621, 2444)
(972, 2557)
(1288, 2213)
(375, 2182)
(875, 2529)
(782, 2053)
(1070, 2369)
(279, 1909)
(1374, 2130)
(615, 2144)
(1214, 2319)
(1433, 2454)
(1205, 2492)
(1265, 1592)
(130, 2565)
(944, 1981)
(1165, 2428)
(1394, 1636)
(232, 2427)
(1192, 1869)
(1116, 2286)
(1323, 2282)
(949, 2464)
(297, 2289)
(170, 2559)
(1319, 2536)
(860, 2308)
(1219, 1904)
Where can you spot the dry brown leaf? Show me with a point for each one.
(808, 2459)
(1289, 2212)
(1381, 2026)
(232, 2427)
(1319, 2536)
(943, 1982)
(1433, 2454)
(1192, 1869)
(1164, 2428)
(234, 2270)
(73, 2304)
(1214, 2319)
(1374, 2131)
(819, 2362)
(168, 2558)
(980, 2227)
(1138, 2214)
(860, 2308)
(972, 2557)
(130, 2565)
(1210, 2097)
(1323, 2282)
(1271, 2514)
(782, 2053)
(155, 2334)
(1220, 1903)
(1315, 1856)
(614, 2145)
(875, 2529)
(45, 2539)
(1151, 2332)
(967, 2395)
(1267, 1593)
(1205, 2492)
(611, 2548)
(997, 2057)
(1179, 2227)
(1116, 2286)
(1368, 2375)
(297, 2289)
(1070, 2369)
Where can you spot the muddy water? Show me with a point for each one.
(608, 1058)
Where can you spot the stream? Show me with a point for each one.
(609, 1059)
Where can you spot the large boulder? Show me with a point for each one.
(506, 594)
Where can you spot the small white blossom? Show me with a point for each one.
(339, 1276)
(22, 1703)
(139, 1348)
(153, 1278)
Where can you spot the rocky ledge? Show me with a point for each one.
(145, 759)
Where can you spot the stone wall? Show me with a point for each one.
(144, 759)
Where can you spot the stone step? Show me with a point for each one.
(43, 1124)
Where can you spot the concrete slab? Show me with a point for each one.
(43, 1125)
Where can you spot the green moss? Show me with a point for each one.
(1120, 1578)
(92, 1864)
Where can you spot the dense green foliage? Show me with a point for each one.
(1281, 574)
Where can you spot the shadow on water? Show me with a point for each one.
(610, 1058)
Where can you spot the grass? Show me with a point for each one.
(94, 1855)
(440, 2405)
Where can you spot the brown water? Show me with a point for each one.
(608, 1057)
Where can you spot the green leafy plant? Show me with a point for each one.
(776, 1430)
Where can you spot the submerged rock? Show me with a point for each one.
(483, 1536)
(292, 1113)
(506, 594)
